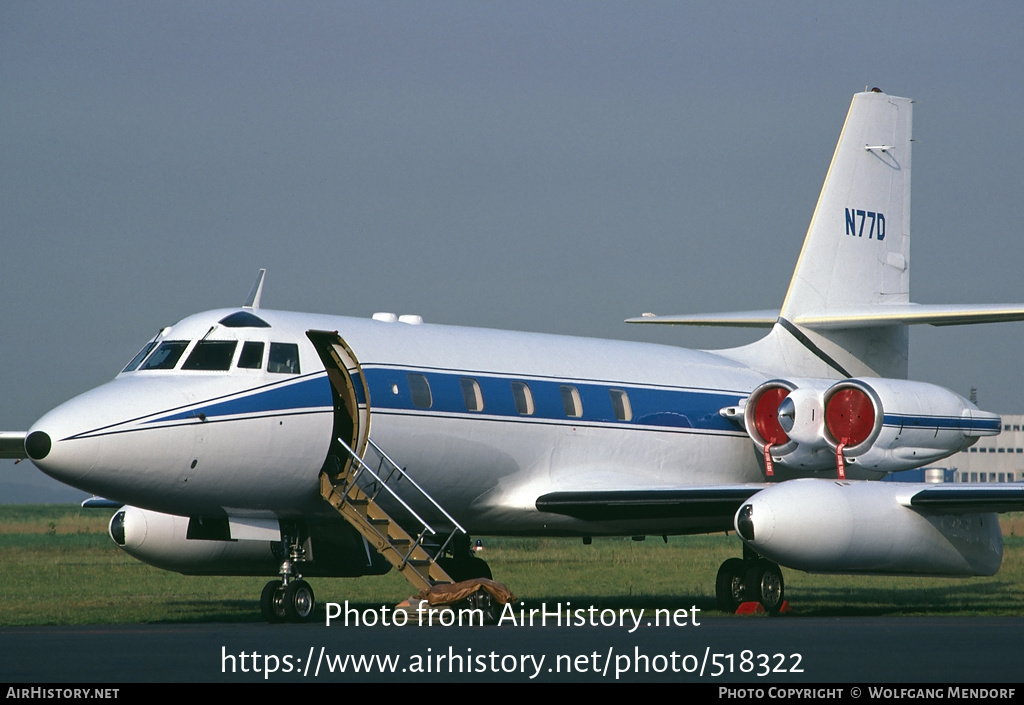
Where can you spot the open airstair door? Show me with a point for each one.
(351, 395)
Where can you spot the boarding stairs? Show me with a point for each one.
(354, 490)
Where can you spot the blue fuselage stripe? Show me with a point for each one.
(670, 408)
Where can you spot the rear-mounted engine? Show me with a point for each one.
(877, 425)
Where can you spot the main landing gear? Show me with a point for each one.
(291, 598)
(462, 564)
(749, 579)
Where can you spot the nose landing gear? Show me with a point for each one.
(291, 598)
(293, 602)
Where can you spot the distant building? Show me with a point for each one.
(992, 459)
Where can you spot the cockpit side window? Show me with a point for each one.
(211, 355)
(284, 358)
(137, 360)
(166, 356)
(252, 356)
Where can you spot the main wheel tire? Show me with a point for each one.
(272, 602)
(729, 585)
(763, 583)
(466, 568)
(488, 606)
(299, 601)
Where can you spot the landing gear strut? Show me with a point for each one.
(462, 564)
(291, 598)
(751, 579)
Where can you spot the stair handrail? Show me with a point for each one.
(364, 466)
(433, 502)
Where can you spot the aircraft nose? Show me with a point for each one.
(67, 460)
(102, 441)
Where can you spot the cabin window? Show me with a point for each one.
(211, 355)
(471, 394)
(252, 356)
(284, 358)
(523, 397)
(620, 404)
(166, 356)
(420, 390)
(137, 360)
(571, 401)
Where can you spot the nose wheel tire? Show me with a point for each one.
(294, 602)
(299, 601)
(272, 602)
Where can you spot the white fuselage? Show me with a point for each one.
(251, 442)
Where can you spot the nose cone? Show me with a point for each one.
(95, 440)
(53, 447)
(38, 445)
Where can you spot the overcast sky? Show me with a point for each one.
(540, 166)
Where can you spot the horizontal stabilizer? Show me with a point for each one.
(736, 319)
(861, 317)
(912, 314)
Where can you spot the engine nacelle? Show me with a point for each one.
(883, 425)
(787, 415)
(161, 540)
(829, 526)
(891, 424)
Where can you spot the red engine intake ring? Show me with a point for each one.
(766, 416)
(853, 416)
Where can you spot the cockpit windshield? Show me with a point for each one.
(166, 356)
(216, 356)
(137, 360)
(211, 355)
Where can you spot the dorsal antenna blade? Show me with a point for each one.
(253, 299)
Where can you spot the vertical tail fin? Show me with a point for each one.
(848, 306)
(856, 255)
(857, 249)
(855, 259)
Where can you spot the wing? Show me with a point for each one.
(969, 499)
(707, 508)
(12, 445)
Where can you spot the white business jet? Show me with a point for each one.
(258, 442)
